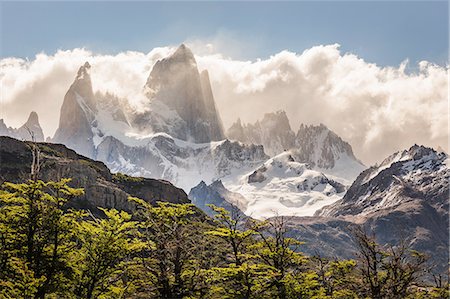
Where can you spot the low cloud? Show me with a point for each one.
(379, 110)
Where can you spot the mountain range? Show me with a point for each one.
(179, 137)
(266, 169)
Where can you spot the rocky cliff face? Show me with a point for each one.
(190, 113)
(78, 115)
(324, 150)
(102, 189)
(31, 129)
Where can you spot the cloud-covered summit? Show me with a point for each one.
(379, 110)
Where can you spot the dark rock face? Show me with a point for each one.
(175, 82)
(78, 115)
(257, 176)
(102, 189)
(31, 129)
(216, 194)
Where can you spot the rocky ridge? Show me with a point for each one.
(102, 188)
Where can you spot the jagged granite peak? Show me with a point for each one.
(320, 146)
(218, 185)
(78, 115)
(32, 125)
(236, 131)
(325, 150)
(83, 85)
(183, 53)
(31, 129)
(176, 82)
(212, 115)
(33, 119)
(273, 132)
(317, 146)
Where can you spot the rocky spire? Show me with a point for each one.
(236, 131)
(33, 125)
(175, 81)
(212, 116)
(273, 132)
(27, 131)
(77, 115)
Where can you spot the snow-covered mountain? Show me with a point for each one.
(180, 162)
(283, 186)
(325, 151)
(164, 140)
(404, 199)
(317, 146)
(31, 129)
(417, 174)
(179, 137)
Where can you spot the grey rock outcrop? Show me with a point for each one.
(321, 147)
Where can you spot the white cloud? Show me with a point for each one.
(377, 109)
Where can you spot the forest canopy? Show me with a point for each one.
(174, 251)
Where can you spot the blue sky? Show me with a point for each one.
(382, 32)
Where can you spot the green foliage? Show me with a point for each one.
(167, 251)
(171, 265)
(46, 250)
(35, 237)
(120, 177)
(103, 246)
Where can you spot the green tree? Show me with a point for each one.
(105, 248)
(387, 273)
(240, 276)
(337, 278)
(168, 227)
(35, 237)
(281, 253)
